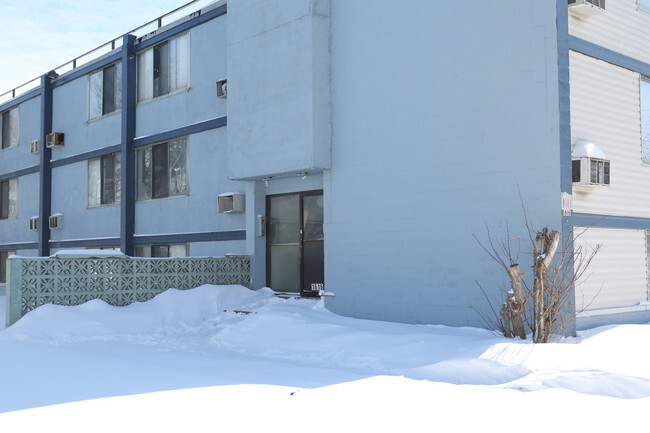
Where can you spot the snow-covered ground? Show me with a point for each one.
(192, 361)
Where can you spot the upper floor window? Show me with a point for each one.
(104, 185)
(645, 119)
(161, 170)
(9, 128)
(105, 91)
(164, 68)
(9, 199)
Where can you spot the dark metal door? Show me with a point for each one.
(295, 255)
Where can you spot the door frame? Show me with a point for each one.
(300, 194)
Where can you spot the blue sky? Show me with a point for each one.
(37, 36)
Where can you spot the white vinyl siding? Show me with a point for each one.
(617, 276)
(605, 109)
(622, 28)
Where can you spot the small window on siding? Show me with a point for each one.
(164, 68)
(161, 170)
(105, 91)
(9, 128)
(9, 199)
(104, 180)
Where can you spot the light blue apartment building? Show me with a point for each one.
(349, 147)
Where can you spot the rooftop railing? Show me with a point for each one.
(109, 46)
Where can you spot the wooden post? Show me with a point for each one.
(516, 301)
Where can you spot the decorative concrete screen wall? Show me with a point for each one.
(118, 280)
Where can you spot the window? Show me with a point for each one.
(164, 68)
(645, 119)
(4, 255)
(161, 250)
(105, 91)
(9, 127)
(9, 199)
(161, 170)
(104, 185)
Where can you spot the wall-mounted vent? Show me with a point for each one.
(56, 221)
(33, 223)
(590, 171)
(587, 8)
(222, 88)
(35, 146)
(231, 202)
(54, 139)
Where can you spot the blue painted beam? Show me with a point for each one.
(85, 243)
(230, 235)
(19, 246)
(618, 59)
(194, 128)
(85, 156)
(45, 181)
(80, 72)
(21, 172)
(148, 41)
(127, 206)
(610, 221)
(20, 99)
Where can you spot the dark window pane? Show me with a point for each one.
(575, 171)
(109, 90)
(6, 130)
(161, 69)
(160, 251)
(3, 266)
(108, 179)
(4, 199)
(160, 156)
(606, 173)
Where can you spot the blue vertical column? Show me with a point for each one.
(127, 211)
(566, 180)
(45, 180)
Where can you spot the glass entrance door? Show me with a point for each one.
(295, 243)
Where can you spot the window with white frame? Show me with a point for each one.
(105, 91)
(9, 199)
(645, 119)
(162, 170)
(4, 255)
(161, 250)
(104, 180)
(164, 68)
(9, 128)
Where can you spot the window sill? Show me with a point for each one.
(99, 206)
(145, 200)
(94, 119)
(157, 98)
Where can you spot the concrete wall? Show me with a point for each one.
(437, 117)
(278, 84)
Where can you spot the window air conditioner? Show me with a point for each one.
(34, 146)
(230, 202)
(590, 171)
(587, 8)
(33, 223)
(56, 221)
(222, 88)
(54, 139)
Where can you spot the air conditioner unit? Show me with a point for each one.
(33, 223)
(590, 171)
(222, 88)
(587, 8)
(56, 221)
(231, 202)
(34, 146)
(54, 139)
